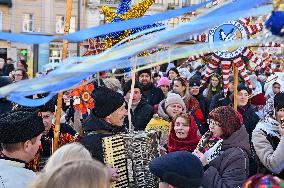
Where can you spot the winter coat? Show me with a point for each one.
(219, 100)
(192, 106)
(14, 174)
(7, 68)
(67, 135)
(153, 95)
(230, 169)
(250, 118)
(161, 122)
(95, 129)
(204, 105)
(269, 146)
(141, 116)
(6, 106)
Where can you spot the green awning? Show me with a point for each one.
(6, 2)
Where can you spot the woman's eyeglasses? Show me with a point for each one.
(213, 123)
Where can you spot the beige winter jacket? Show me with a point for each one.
(272, 160)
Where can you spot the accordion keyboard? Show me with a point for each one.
(131, 153)
(114, 154)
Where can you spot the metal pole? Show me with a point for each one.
(64, 56)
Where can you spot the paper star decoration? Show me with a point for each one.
(84, 94)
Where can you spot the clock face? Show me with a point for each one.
(229, 31)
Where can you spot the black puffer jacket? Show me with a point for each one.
(250, 118)
(7, 68)
(5, 106)
(141, 116)
(95, 130)
(152, 94)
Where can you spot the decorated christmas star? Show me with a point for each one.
(125, 12)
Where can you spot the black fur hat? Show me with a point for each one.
(127, 86)
(106, 101)
(147, 71)
(49, 106)
(20, 126)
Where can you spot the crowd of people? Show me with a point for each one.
(203, 141)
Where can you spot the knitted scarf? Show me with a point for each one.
(270, 126)
(187, 144)
(210, 146)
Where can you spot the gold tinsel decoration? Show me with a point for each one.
(278, 5)
(134, 12)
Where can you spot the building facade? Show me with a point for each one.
(47, 17)
(43, 17)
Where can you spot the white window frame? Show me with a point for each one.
(28, 22)
(159, 2)
(60, 24)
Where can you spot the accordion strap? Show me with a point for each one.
(98, 132)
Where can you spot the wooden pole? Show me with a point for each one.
(64, 56)
(236, 83)
(131, 127)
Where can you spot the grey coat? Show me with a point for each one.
(231, 168)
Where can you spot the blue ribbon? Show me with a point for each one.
(26, 38)
(129, 24)
(21, 100)
(66, 76)
(102, 29)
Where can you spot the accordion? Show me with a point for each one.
(131, 153)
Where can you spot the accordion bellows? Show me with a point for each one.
(131, 153)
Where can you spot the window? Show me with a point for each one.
(110, 2)
(28, 23)
(160, 2)
(174, 2)
(102, 18)
(1, 21)
(60, 23)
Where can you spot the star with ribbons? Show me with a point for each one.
(125, 12)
